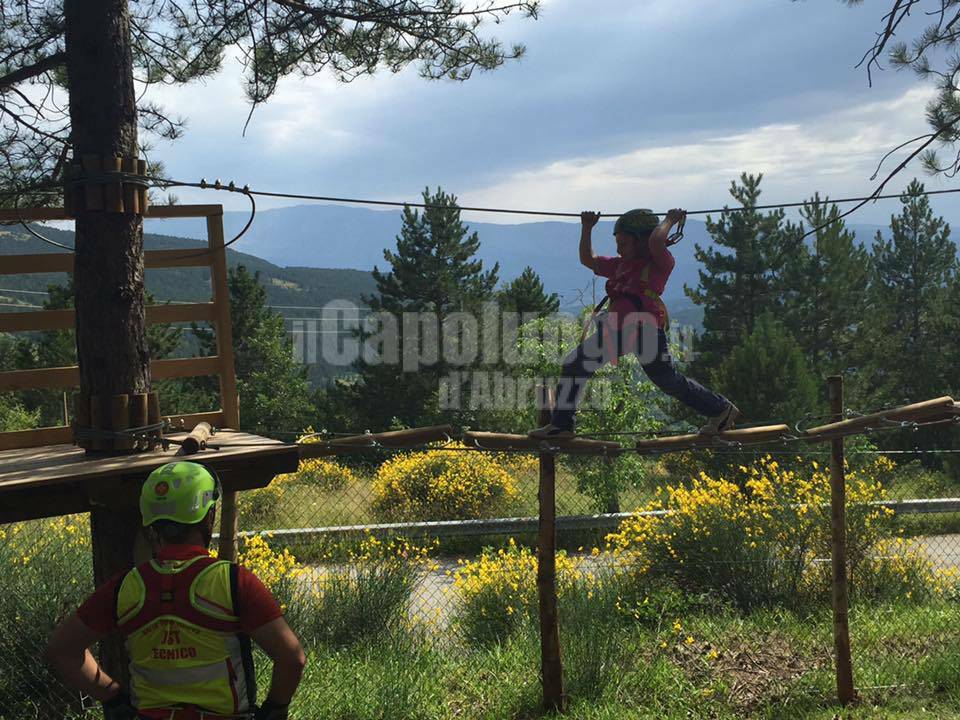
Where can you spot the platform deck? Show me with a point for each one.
(61, 479)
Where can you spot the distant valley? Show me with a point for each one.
(310, 255)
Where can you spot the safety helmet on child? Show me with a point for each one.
(639, 222)
(182, 492)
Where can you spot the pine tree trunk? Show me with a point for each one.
(108, 277)
(111, 334)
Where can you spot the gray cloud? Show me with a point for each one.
(601, 80)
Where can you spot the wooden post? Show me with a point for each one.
(551, 664)
(228, 374)
(120, 420)
(96, 421)
(838, 523)
(131, 199)
(139, 414)
(113, 191)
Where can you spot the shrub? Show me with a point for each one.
(324, 474)
(498, 591)
(752, 540)
(283, 500)
(46, 573)
(272, 567)
(895, 572)
(442, 485)
(365, 598)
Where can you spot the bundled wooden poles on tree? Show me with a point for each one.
(110, 184)
(118, 423)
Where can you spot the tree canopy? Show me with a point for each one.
(933, 55)
(177, 41)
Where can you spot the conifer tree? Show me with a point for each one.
(274, 393)
(740, 275)
(824, 288)
(432, 271)
(525, 294)
(901, 350)
(768, 374)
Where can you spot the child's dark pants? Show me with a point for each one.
(588, 357)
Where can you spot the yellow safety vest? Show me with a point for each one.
(183, 637)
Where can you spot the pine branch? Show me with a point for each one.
(50, 62)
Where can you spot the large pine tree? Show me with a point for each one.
(433, 271)
(768, 375)
(824, 288)
(525, 294)
(740, 275)
(902, 348)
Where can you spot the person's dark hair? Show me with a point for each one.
(170, 532)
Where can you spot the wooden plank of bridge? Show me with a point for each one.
(928, 410)
(393, 439)
(744, 436)
(506, 441)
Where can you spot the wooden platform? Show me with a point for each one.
(62, 479)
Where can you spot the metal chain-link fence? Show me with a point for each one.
(696, 584)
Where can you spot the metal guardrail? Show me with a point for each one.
(519, 525)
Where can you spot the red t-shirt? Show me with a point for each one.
(626, 277)
(256, 605)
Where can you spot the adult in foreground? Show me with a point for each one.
(187, 620)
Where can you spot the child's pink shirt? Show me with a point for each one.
(626, 277)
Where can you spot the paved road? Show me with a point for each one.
(943, 551)
(433, 596)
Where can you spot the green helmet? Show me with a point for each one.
(639, 222)
(180, 491)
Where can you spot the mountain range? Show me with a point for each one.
(337, 236)
(309, 255)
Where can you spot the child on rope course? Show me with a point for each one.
(635, 323)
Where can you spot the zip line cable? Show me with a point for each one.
(163, 182)
(167, 183)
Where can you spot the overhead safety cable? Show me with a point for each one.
(166, 183)
(217, 185)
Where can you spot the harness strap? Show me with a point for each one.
(652, 294)
(593, 316)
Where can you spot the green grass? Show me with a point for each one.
(616, 673)
(931, 524)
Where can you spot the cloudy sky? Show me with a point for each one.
(617, 104)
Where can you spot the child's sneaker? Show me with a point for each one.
(551, 432)
(722, 422)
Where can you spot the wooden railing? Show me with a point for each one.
(217, 313)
